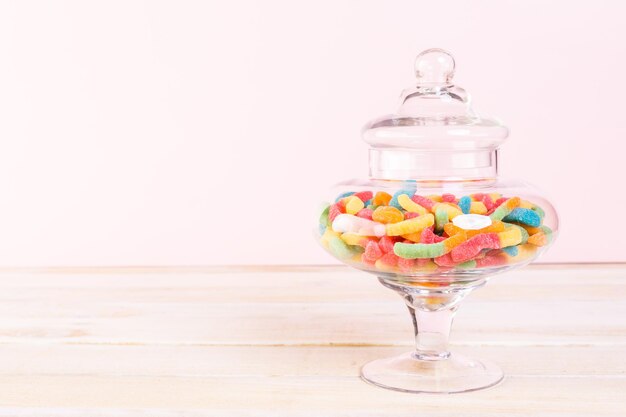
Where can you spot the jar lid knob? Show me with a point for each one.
(434, 66)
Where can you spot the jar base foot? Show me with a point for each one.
(455, 374)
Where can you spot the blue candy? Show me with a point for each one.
(524, 216)
(465, 204)
(511, 250)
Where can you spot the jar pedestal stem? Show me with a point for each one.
(431, 367)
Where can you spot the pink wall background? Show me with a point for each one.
(189, 133)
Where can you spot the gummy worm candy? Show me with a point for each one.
(505, 208)
(409, 205)
(472, 247)
(410, 226)
(353, 224)
(465, 203)
(524, 216)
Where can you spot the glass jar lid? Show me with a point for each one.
(435, 133)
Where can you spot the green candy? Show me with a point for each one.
(441, 218)
(419, 250)
(324, 221)
(471, 264)
(340, 249)
(539, 212)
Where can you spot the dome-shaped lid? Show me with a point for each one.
(435, 134)
(435, 114)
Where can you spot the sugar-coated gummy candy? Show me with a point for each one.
(354, 205)
(324, 216)
(419, 250)
(539, 211)
(333, 211)
(339, 248)
(321, 229)
(372, 251)
(409, 205)
(472, 247)
(388, 260)
(510, 237)
(521, 229)
(454, 241)
(386, 244)
(406, 265)
(524, 216)
(541, 238)
(441, 218)
(410, 215)
(505, 208)
(425, 202)
(343, 195)
(364, 196)
(394, 201)
(434, 197)
(356, 240)
(381, 199)
(349, 223)
(448, 198)
(387, 214)
(452, 209)
(410, 226)
(445, 260)
(465, 203)
(478, 207)
(365, 213)
(511, 250)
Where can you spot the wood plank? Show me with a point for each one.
(302, 308)
(271, 361)
(516, 396)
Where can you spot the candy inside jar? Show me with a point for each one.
(432, 232)
(434, 207)
(434, 221)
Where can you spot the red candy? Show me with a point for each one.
(493, 258)
(409, 215)
(386, 244)
(406, 265)
(488, 202)
(427, 203)
(389, 259)
(365, 213)
(472, 247)
(334, 211)
(448, 198)
(372, 252)
(445, 260)
(364, 195)
(428, 236)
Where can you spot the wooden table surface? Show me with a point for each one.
(289, 341)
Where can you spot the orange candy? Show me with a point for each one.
(387, 214)
(381, 199)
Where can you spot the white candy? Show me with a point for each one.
(347, 223)
(471, 221)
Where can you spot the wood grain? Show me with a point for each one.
(290, 342)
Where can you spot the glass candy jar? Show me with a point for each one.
(433, 222)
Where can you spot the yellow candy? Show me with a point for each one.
(355, 239)
(434, 197)
(538, 239)
(495, 196)
(510, 237)
(328, 234)
(478, 207)
(354, 205)
(381, 199)
(356, 258)
(526, 204)
(451, 209)
(413, 225)
(387, 214)
(410, 205)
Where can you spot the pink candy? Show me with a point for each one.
(365, 213)
(472, 247)
(448, 198)
(372, 252)
(427, 203)
(364, 195)
(334, 211)
(386, 244)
